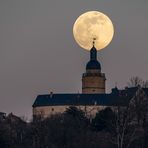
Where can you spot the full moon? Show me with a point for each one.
(93, 27)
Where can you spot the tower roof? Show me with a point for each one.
(93, 63)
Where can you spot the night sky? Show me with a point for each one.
(38, 53)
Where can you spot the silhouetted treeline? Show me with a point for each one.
(73, 129)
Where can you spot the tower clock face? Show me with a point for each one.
(93, 25)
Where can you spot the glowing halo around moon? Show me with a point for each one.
(93, 26)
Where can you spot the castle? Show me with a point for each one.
(93, 97)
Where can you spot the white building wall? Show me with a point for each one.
(47, 111)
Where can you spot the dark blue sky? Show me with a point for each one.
(38, 53)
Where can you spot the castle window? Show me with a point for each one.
(52, 109)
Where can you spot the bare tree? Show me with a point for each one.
(124, 130)
(130, 120)
(137, 81)
(139, 105)
(145, 84)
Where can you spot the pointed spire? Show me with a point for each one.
(93, 63)
(93, 51)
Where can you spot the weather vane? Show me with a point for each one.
(94, 39)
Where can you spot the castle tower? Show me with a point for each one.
(93, 81)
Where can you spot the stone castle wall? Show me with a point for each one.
(47, 111)
(93, 84)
